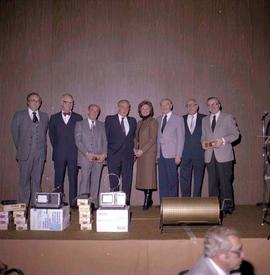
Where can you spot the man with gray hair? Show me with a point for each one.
(61, 133)
(223, 252)
(90, 138)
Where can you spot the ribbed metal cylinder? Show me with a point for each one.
(189, 210)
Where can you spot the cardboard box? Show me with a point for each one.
(4, 214)
(4, 220)
(83, 201)
(85, 227)
(18, 214)
(20, 220)
(112, 220)
(50, 219)
(83, 215)
(14, 207)
(84, 221)
(21, 227)
(4, 226)
(84, 208)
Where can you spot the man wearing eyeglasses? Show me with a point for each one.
(219, 131)
(61, 133)
(29, 128)
(223, 253)
(193, 153)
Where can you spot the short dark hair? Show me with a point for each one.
(31, 94)
(146, 102)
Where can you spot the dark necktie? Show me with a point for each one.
(92, 124)
(123, 125)
(164, 122)
(35, 119)
(213, 124)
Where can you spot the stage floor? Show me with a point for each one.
(144, 250)
(145, 225)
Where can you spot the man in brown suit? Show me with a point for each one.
(145, 151)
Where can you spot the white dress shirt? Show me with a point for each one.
(212, 116)
(126, 124)
(168, 116)
(189, 120)
(30, 112)
(92, 123)
(65, 118)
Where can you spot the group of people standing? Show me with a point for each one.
(170, 140)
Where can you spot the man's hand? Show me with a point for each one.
(177, 160)
(218, 142)
(204, 145)
(101, 158)
(90, 157)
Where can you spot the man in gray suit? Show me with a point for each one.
(29, 128)
(219, 130)
(223, 252)
(170, 141)
(90, 138)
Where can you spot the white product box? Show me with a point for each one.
(84, 215)
(84, 201)
(4, 215)
(4, 220)
(85, 227)
(84, 208)
(14, 207)
(20, 220)
(18, 214)
(50, 219)
(112, 220)
(4, 226)
(21, 227)
(84, 221)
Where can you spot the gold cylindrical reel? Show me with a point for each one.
(175, 211)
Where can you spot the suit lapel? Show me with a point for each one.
(219, 121)
(169, 122)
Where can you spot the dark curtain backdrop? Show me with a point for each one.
(104, 50)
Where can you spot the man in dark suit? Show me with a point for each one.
(223, 253)
(120, 132)
(193, 153)
(170, 142)
(29, 128)
(219, 131)
(91, 141)
(61, 132)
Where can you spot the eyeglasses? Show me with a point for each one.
(68, 102)
(238, 251)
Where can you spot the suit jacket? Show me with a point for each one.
(193, 147)
(118, 142)
(62, 136)
(22, 135)
(171, 141)
(225, 128)
(203, 267)
(92, 141)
